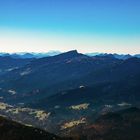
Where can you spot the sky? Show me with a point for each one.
(111, 26)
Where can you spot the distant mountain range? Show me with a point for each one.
(25, 55)
(118, 56)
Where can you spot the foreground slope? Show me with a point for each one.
(10, 130)
(120, 125)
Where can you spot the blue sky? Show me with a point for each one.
(86, 25)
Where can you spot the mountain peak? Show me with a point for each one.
(70, 54)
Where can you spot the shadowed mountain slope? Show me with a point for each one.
(46, 76)
(10, 130)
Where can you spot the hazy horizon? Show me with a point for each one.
(60, 52)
